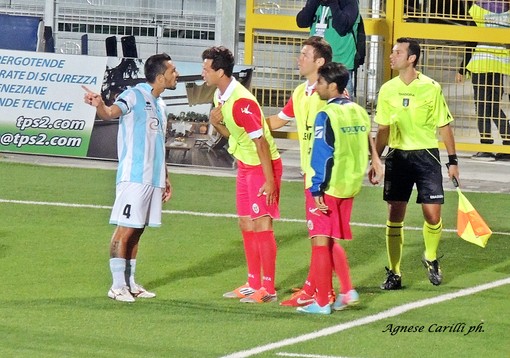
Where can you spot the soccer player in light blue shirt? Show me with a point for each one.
(141, 136)
(142, 178)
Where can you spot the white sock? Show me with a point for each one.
(130, 272)
(117, 268)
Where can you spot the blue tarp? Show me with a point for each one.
(19, 32)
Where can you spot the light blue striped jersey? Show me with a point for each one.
(141, 137)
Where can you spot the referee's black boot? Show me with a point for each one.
(392, 282)
(433, 270)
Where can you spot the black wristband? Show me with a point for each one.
(453, 160)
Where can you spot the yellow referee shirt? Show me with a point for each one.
(413, 112)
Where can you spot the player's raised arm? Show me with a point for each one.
(103, 111)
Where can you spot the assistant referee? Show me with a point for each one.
(410, 110)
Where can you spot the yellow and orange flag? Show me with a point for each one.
(470, 225)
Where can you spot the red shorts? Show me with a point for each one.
(250, 178)
(336, 223)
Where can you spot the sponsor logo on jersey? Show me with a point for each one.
(354, 129)
(154, 123)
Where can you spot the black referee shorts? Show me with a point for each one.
(404, 168)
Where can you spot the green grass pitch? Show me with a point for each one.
(55, 276)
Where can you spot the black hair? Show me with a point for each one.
(156, 65)
(222, 58)
(414, 48)
(334, 72)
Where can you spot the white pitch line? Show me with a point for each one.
(196, 213)
(70, 205)
(369, 319)
(285, 354)
(324, 332)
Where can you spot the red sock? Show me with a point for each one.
(267, 248)
(251, 251)
(309, 286)
(341, 267)
(323, 273)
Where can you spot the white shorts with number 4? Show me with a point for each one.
(137, 205)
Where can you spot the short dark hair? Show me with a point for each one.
(222, 58)
(414, 48)
(321, 48)
(155, 65)
(334, 72)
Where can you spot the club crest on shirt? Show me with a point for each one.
(405, 102)
(246, 110)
